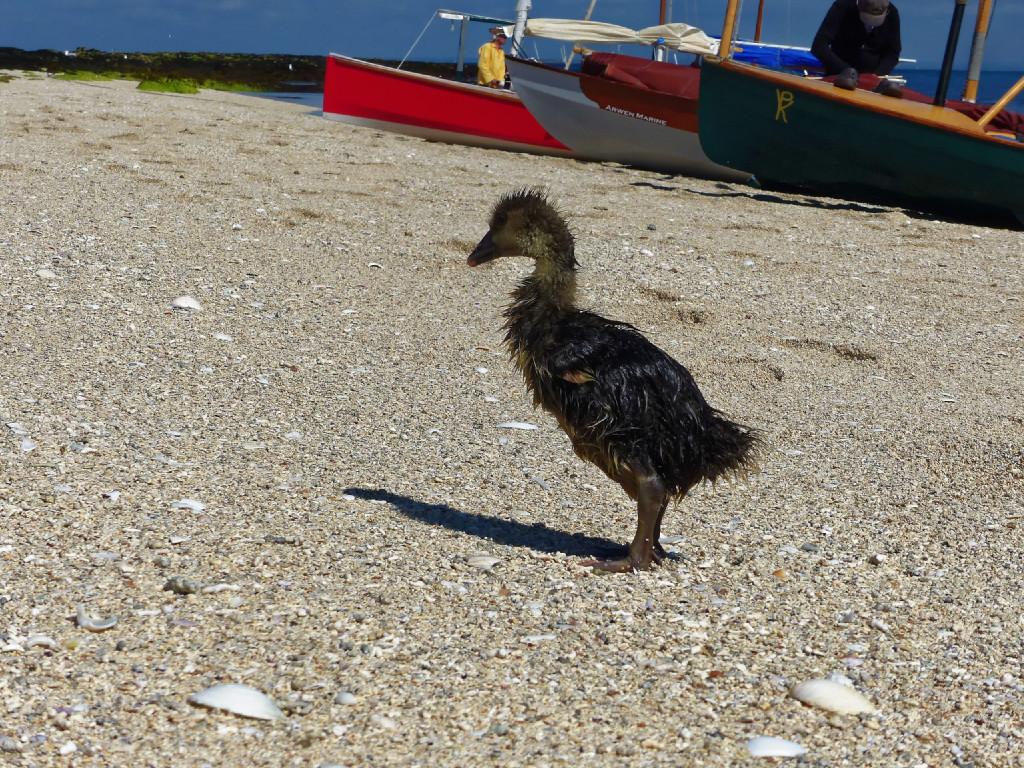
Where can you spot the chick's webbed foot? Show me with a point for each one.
(623, 565)
(652, 501)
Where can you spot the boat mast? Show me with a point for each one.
(459, 67)
(728, 29)
(522, 13)
(978, 49)
(947, 59)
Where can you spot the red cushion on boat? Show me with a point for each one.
(644, 73)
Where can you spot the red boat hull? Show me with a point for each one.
(372, 95)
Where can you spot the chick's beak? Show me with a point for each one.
(483, 252)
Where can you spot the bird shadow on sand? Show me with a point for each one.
(536, 536)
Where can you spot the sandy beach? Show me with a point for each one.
(314, 458)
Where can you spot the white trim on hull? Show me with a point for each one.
(447, 137)
(554, 97)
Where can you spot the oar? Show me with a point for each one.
(998, 107)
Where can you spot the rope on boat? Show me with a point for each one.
(409, 52)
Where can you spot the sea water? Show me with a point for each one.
(991, 85)
(313, 100)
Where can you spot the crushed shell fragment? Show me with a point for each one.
(835, 697)
(186, 303)
(40, 641)
(195, 506)
(238, 700)
(772, 746)
(93, 623)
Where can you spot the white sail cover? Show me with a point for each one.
(681, 37)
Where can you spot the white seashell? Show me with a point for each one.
(93, 623)
(222, 337)
(68, 747)
(839, 677)
(186, 303)
(41, 641)
(195, 506)
(113, 495)
(238, 700)
(16, 428)
(540, 482)
(27, 445)
(534, 639)
(880, 625)
(222, 587)
(345, 698)
(382, 721)
(772, 746)
(46, 274)
(483, 562)
(517, 425)
(835, 697)
(481, 369)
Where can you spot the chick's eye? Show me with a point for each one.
(500, 219)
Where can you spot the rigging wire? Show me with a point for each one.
(415, 42)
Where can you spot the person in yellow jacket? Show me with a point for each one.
(491, 64)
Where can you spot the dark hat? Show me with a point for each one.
(873, 12)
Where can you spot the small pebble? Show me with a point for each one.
(183, 585)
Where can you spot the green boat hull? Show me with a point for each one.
(793, 135)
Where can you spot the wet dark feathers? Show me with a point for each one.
(625, 403)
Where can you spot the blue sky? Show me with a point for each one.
(387, 28)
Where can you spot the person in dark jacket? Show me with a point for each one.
(857, 37)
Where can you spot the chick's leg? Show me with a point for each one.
(651, 503)
(659, 551)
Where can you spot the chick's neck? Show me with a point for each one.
(552, 286)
